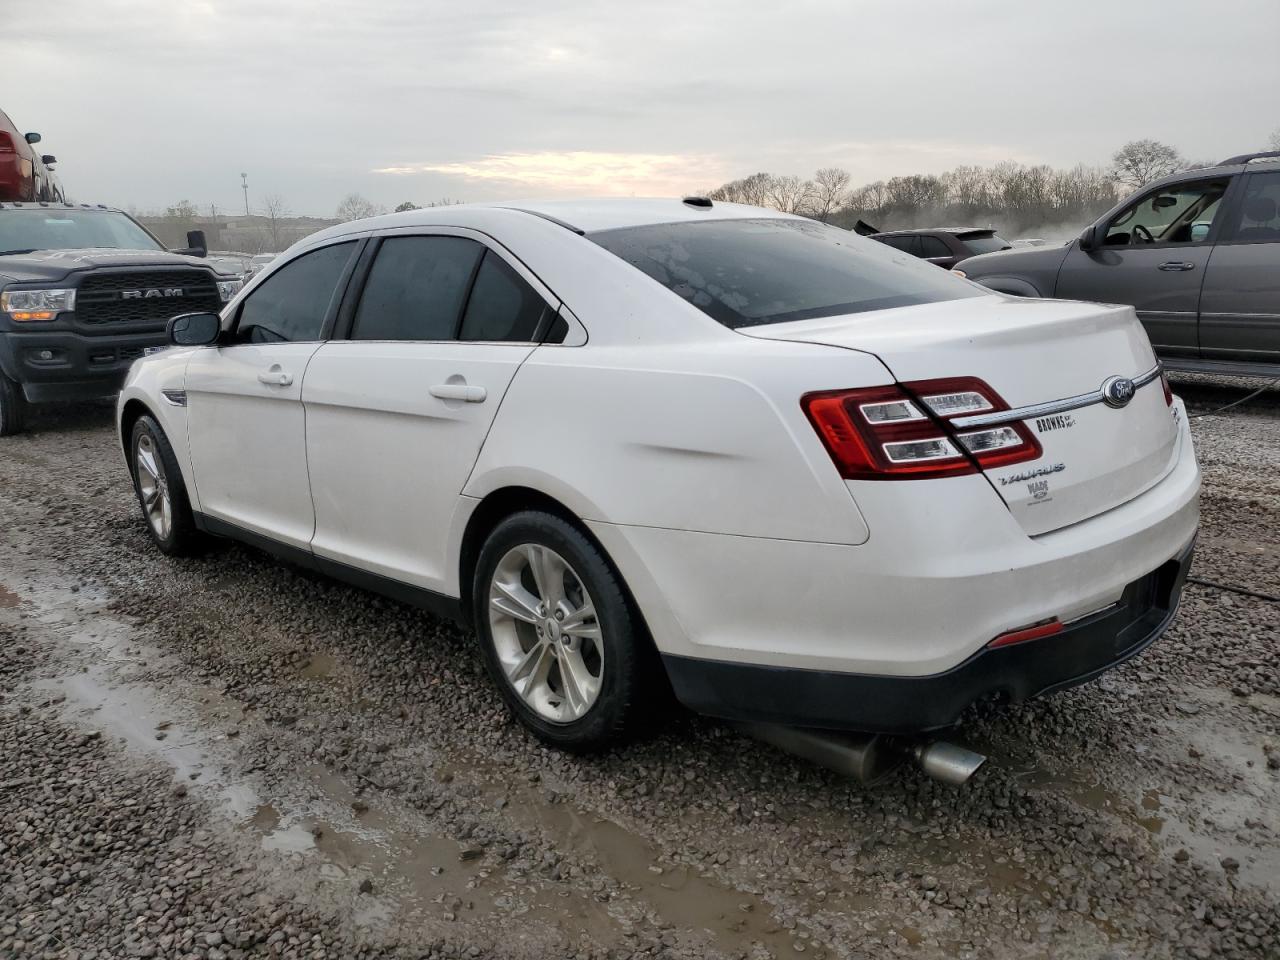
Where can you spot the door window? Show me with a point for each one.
(416, 289)
(1258, 218)
(909, 244)
(933, 247)
(1182, 213)
(292, 304)
(502, 305)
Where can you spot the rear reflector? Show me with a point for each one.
(903, 431)
(1046, 629)
(1168, 392)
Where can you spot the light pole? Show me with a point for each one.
(244, 185)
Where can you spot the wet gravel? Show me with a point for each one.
(225, 757)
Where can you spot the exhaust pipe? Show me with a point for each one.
(868, 757)
(947, 762)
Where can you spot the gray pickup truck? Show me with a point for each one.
(84, 291)
(1197, 254)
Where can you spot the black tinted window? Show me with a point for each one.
(747, 272)
(292, 303)
(1257, 219)
(933, 247)
(502, 305)
(909, 245)
(985, 243)
(416, 289)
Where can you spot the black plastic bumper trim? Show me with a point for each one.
(907, 705)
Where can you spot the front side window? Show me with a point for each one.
(757, 271)
(25, 230)
(1179, 214)
(933, 247)
(1258, 218)
(292, 303)
(502, 306)
(416, 289)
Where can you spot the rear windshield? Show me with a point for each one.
(985, 243)
(748, 272)
(43, 228)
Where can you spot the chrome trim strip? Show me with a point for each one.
(1048, 407)
(1250, 316)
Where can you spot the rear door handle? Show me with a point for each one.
(459, 391)
(275, 376)
(1176, 265)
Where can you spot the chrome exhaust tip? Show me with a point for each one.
(948, 762)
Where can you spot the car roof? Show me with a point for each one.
(958, 231)
(49, 204)
(581, 216)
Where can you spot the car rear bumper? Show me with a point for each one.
(894, 704)
(76, 367)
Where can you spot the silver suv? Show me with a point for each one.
(1197, 254)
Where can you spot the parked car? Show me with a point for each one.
(25, 174)
(944, 246)
(796, 475)
(1197, 254)
(85, 291)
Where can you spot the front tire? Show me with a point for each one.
(558, 636)
(161, 492)
(13, 407)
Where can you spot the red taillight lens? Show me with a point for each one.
(903, 431)
(1046, 629)
(1168, 391)
(6, 143)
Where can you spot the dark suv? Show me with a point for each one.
(1197, 254)
(944, 246)
(85, 291)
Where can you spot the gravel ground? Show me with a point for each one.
(226, 757)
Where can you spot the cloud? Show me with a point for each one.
(580, 171)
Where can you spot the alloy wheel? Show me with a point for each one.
(153, 486)
(546, 633)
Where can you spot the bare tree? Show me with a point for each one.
(182, 210)
(790, 194)
(753, 190)
(356, 207)
(830, 192)
(407, 205)
(275, 210)
(1139, 162)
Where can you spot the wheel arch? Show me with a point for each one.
(133, 410)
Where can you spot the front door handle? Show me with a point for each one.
(275, 376)
(1176, 265)
(459, 391)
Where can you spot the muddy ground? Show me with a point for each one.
(225, 757)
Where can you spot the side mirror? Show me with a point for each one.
(1089, 238)
(196, 246)
(48, 159)
(194, 329)
(33, 138)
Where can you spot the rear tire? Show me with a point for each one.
(161, 492)
(564, 647)
(13, 407)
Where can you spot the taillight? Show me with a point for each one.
(1168, 392)
(904, 431)
(6, 143)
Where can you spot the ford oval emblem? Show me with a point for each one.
(1117, 391)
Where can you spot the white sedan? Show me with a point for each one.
(795, 475)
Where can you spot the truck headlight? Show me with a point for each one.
(229, 288)
(26, 305)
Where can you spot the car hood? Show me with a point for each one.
(54, 265)
(1016, 261)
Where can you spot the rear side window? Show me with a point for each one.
(416, 289)
(292, 303)
(909, 244)
(1257, 219)
(749, 272)
(984, 243)
(933, 247)
(502, 305)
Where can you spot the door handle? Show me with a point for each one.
(459, 391)
(1176, 265)
(274, 376)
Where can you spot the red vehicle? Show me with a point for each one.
(25, 174)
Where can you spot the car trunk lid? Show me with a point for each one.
(1032, 353)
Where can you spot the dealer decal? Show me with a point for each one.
(1060, 421)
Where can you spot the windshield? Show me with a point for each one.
(22, 231)
(748, 272)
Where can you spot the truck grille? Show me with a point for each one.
(141, 297)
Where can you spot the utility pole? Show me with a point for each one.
(244, 184)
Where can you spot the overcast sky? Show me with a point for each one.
(147, 102)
